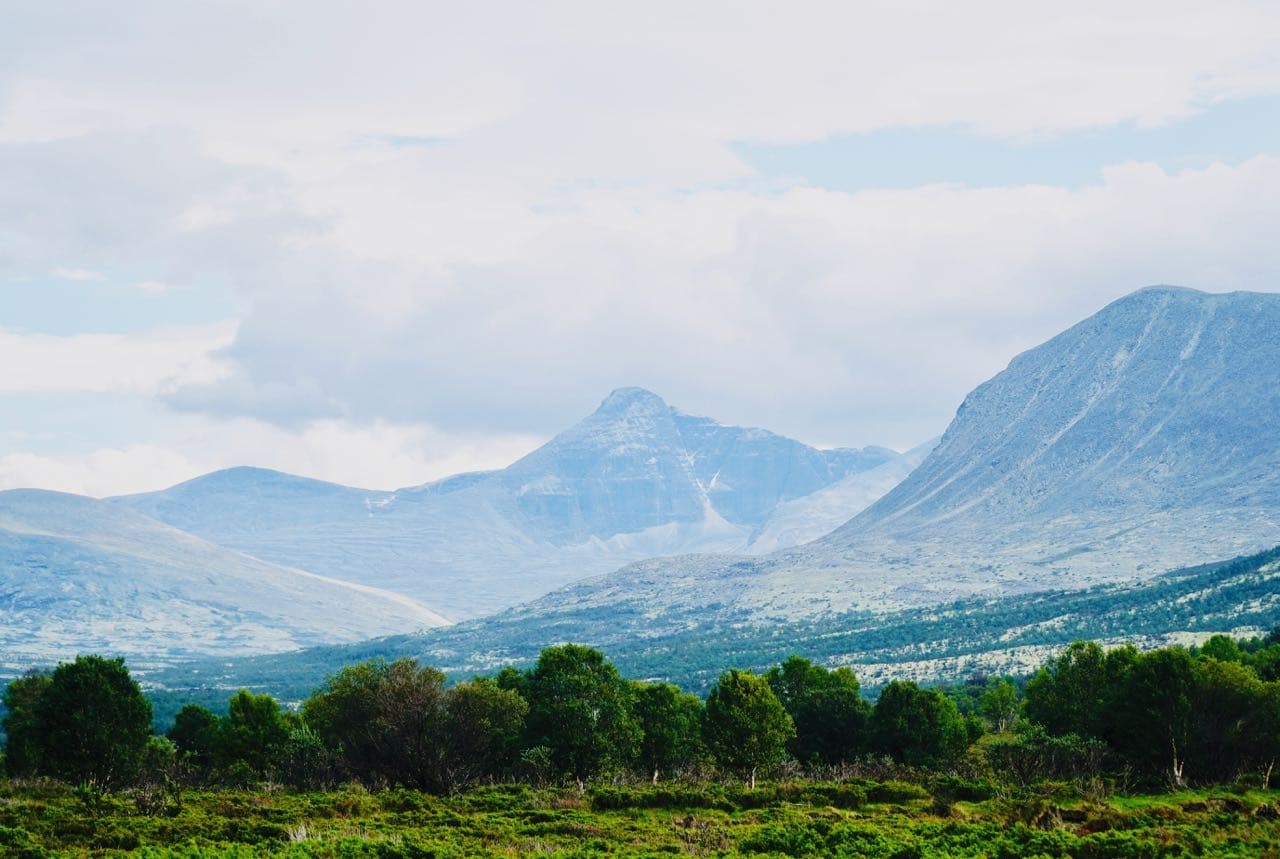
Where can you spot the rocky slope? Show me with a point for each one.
(79, 575)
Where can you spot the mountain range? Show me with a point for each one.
(1143, 440)
(186, 570)
(636, 479)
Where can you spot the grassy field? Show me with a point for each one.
(856, 818)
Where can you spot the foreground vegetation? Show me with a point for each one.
(853, 817)
(1101, 753)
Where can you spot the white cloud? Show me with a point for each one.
(269, 79)
(148, 363)
(76, 274)
(837, 317)
(453, 223)
(102, 472)
(380, 455)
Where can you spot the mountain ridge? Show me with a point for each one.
(634, 479)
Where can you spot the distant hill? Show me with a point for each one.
(79, 575)
(635, 479)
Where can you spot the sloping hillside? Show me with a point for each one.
(79, 575)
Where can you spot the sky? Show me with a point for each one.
(383, 243)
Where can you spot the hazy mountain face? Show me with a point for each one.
(1166, 399)
(1144, 439)
(636, 479)
(637, 463)
(80, 575)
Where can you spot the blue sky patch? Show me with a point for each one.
(1229, 132)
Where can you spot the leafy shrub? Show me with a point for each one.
(789, 839)
(896, 791)
(498, 797)
(403, 801)
(19, 843)
(665, 796)
(821, 838)
(845, 795)
(956, 789)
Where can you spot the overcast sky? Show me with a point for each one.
(380, 243)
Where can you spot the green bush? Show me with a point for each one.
(896, 791)
(956, 789)
(19, 843)
(663, 796)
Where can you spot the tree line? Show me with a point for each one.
(1168, 716)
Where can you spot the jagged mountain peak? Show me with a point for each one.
(626, 399)
(637, 463)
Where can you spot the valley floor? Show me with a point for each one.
(850, 818)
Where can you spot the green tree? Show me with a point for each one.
(580, 709)
(1264, 732)
(160, 778)
(93, 723)
(253, 735)
(482, 726)
(999, 705)
(1073, 692)
(827, 707)
(304, 762)
(671, 724)
(195, 734)
(921, 727)
(1225, 700)
(1266, 663)
(1068, 694)
(384, 719)
(21, 727)
(745, 725)
(1222, 648)
(1151, 720)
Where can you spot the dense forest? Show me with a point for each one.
(1095, 723)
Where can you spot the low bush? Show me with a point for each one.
(896, 791)
(956, 789)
